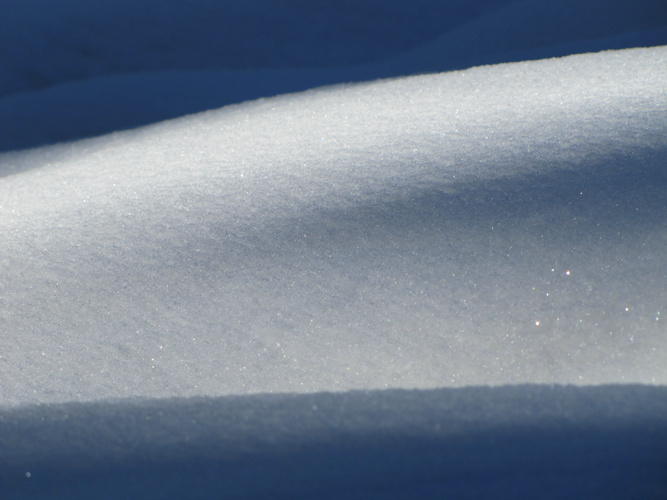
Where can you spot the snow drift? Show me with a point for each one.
(498, 225)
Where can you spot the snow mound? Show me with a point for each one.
(497, 225)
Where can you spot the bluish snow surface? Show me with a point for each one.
(509, 442)
(446, 285)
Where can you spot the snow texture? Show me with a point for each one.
(510, 442)
(442, 230)
(441, 285)
(75, 69)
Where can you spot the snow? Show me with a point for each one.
(512, 442)
(415, 287)
(118, 65)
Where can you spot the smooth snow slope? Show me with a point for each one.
(72, 69)
(502, 443)
(498, 225)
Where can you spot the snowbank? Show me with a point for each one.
(449, 285)
(498, 225)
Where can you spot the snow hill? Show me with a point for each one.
(471, 227)
(498, 225)
(444, 285)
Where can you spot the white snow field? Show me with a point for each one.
(499, 225)
(448, 285)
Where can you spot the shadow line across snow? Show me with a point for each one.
(523, 441)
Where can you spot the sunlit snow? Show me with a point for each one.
(433, 231)
(374, 289)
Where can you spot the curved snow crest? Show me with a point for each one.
(501, 224)
(485, 122)
(64, 61)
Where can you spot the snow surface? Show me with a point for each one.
(462, 228)
(73, 69)
(510, 442)
(451, 283)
